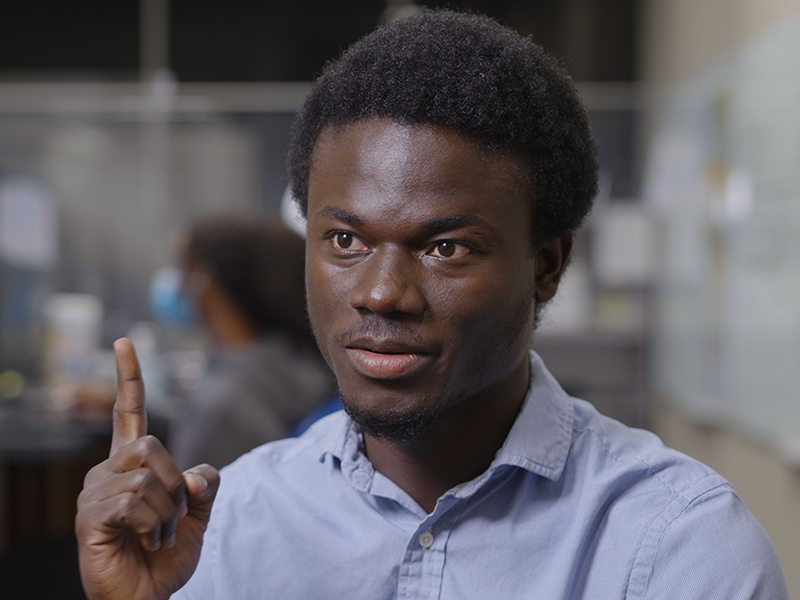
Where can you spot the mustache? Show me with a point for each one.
(377, 328)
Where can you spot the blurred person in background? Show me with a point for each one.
(243, 278)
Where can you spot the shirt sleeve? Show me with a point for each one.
(713, 549)
(201, 584)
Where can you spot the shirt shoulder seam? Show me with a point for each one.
(643, 564)
(614, 456)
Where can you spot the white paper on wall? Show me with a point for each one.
(28, 224)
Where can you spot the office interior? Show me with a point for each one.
(122, 123)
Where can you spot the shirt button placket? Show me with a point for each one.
(420, 573)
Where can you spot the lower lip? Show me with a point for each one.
(377, 365)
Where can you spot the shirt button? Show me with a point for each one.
(425, 539)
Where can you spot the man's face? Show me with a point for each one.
(420, 271)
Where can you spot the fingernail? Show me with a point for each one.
(155, 544)
(170, 541)
(183, 510)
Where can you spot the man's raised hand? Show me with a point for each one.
(140, 521)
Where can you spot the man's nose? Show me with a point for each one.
(389, 283)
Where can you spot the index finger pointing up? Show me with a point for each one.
(130, 419)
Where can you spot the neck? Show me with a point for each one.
(460, 448)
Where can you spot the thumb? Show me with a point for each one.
(202, 483)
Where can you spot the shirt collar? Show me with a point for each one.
(539, 440)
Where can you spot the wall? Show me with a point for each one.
(683, 41)
(681, 37)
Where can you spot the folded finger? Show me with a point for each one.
(145, 484)
(130, 511)
(148, 452)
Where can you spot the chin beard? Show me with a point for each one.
(395, 426)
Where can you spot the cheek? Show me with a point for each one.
(316, 299)
(484, 299)
(495, 311)
(327, 294)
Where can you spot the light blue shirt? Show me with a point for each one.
(575, 505)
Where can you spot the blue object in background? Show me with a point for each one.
(168, 301)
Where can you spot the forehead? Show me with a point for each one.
(391, 169)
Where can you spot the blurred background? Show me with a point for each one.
(122, 123)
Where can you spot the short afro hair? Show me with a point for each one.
(476, 77)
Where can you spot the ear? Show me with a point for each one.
(552, 259)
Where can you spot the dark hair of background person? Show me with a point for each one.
(259, 263)
(471, 75)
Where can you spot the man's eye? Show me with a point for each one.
(347, 241)
(448, 249)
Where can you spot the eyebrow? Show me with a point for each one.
(431, 226)
(441, 224)
(342, 215)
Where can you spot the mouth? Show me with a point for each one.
(387, 361)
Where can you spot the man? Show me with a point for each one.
(443, 163)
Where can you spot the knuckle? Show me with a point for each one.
(119, 412)
(143, 479)
(134, 378)
(83, 523)
(149, 445)
(128, 503)
(88, 510)
(84, 498)
(93, 474)
(147, 524)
